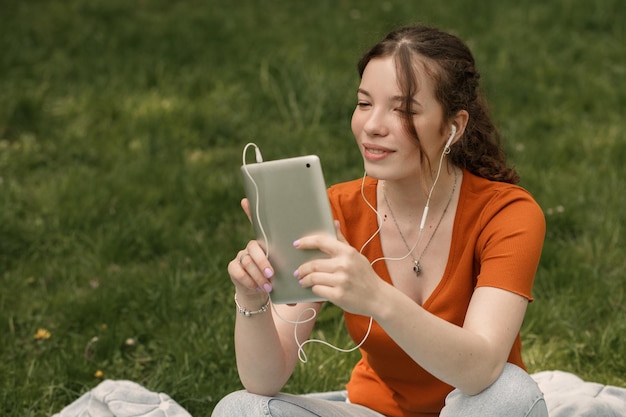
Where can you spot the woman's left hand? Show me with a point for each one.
(346, 278)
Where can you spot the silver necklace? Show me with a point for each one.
(417, 268)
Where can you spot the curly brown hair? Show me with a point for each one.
(450, 63)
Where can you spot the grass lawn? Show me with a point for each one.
(121, 130)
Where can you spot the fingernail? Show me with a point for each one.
(296, 274)
(267, 287)
(268, 272)
(300, 282)
(296, 243)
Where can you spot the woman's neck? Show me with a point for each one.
(410, 194)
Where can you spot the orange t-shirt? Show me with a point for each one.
(496, 242)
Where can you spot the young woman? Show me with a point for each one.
(435, 243)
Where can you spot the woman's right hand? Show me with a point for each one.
(251, 271)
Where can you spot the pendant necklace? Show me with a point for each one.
(417, 268)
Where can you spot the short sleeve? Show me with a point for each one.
(509, 247)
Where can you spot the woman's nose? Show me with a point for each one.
(376, 123)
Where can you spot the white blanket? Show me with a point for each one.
(123, 399)
(566, 395)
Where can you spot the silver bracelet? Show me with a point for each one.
(248, 313)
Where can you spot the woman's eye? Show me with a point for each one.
(362, 104)
(402, 110)
(410, 111)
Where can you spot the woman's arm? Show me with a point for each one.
(469, 358)
(265, 345)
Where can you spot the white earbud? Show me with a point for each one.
(449, 142)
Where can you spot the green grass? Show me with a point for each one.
(121, 130)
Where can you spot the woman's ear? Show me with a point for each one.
(460, 123)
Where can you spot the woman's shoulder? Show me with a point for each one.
(349, 190)
(483, 188)
(487, 200)
(351, 200)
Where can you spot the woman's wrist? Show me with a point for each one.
(252, 305)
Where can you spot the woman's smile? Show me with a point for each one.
(375, 152)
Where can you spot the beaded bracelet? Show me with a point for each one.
(248, 313)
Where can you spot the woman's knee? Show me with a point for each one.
(514, 393)
(241, 404)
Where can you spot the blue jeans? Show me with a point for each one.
(513, 394)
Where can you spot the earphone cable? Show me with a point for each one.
(259, 159)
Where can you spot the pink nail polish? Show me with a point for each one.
(296, 243)
(267, 287)
(268, 272)
(296, 274)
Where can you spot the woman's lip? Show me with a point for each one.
(375, 152)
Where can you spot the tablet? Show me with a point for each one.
(292, 203)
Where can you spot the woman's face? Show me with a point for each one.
(388, 151)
